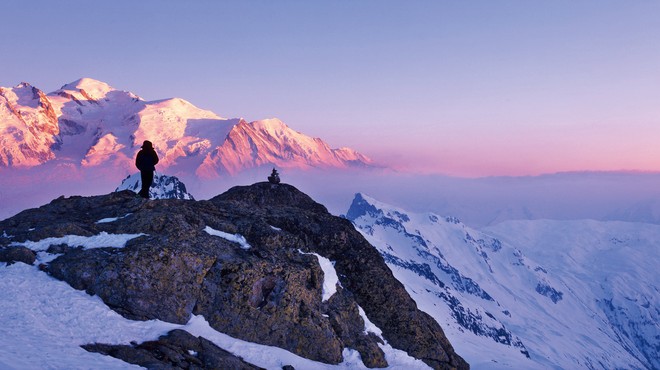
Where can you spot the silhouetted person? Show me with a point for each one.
(146, 161)
(274, 177)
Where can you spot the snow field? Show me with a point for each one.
(604, 271)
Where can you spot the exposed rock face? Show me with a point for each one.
(176, 350)
(17, 254)
(269, 292)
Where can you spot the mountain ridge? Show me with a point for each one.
(526, 286)
(89, 123)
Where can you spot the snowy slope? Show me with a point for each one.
(90, 124)
(613, 270)
(28, 126)
(527, 294)
(45, 321)
(271, 142)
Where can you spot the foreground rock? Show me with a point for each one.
(267, 289)
(176, 350)
(11, 255)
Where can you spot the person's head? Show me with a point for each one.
(147, 145)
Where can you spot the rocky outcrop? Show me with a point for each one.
(267, 290)
(11, 255)
(176, 350)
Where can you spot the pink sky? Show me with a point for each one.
(471, 89)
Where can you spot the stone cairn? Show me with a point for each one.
(274, 177)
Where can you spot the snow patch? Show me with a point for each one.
(112, 219)
(236, 238)
(370, 327)
(101, 240)
(44, 322)
(275, 358)
(331, 280)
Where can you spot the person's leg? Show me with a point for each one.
(147, 178)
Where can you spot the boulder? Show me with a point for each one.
(11, 255)
(176, 350)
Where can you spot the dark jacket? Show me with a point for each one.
(146, 159)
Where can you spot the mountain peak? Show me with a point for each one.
(269, 122)
(23, 85)
(86, 112)
(94, 88)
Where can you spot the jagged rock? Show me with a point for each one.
(359, 265)
(163, 187)
(344, 316)
(269, 293)
(141, 283)
(176, 350)
(11, 255)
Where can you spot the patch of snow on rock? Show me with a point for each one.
(102, 240)
(331, 279)
(236, 238)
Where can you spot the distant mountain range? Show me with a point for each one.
(87, 123)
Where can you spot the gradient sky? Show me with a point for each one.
(468, 88)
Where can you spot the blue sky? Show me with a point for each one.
(465, 88)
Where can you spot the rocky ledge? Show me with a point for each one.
(245, 260)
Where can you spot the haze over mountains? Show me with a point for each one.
(530, 293)
(82, 139)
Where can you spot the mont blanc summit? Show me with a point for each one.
(88, 123)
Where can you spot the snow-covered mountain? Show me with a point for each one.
(163, 187)
(528, 294)
(88, 123)
(28, 126)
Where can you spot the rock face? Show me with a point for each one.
(176, 350)
(267, 289)
(11, 255)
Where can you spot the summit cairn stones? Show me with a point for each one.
(274, 177)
